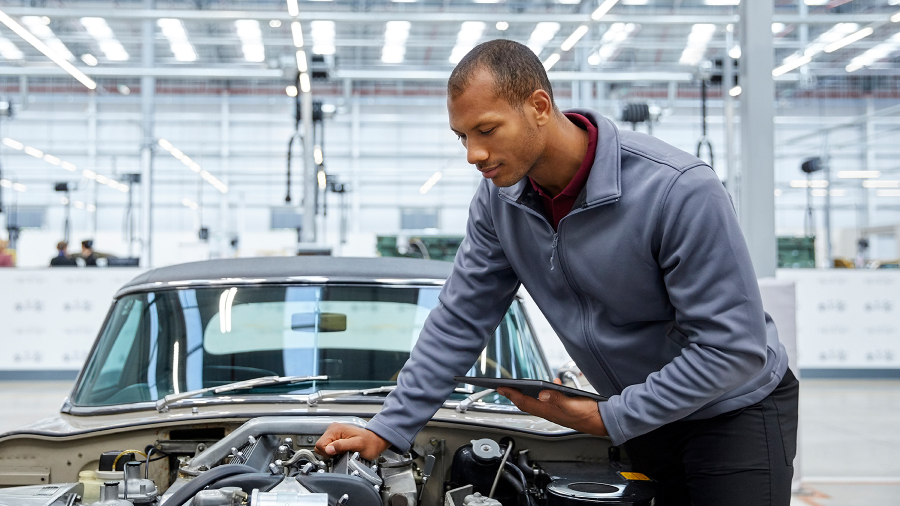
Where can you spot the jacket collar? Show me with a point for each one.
(604, 183)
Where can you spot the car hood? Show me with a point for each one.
(83, 421)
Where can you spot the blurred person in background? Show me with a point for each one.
(7, 256)
(88, 254)
(62, 258)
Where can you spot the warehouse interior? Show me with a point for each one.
(158, 132)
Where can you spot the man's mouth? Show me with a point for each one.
(489, 172)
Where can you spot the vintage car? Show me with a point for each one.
(210, 382)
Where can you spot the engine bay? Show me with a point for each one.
(269, 461)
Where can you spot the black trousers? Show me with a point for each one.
(740, 458)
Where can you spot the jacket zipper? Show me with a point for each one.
(585, 306)
(613, 380)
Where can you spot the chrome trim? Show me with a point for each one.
(285, 280)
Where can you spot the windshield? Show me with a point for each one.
(159, 343)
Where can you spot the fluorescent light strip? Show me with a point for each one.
(430, 183)
(301, 61)
(858, 174)
(64, 164)
(173, 30)
(792, 65)
(470, 33)
(603, 9)
(103, 34)
(611, 41)
(551, 61)
(6, 183)
(190, 203)
(542, 34)
(850, 39)
(813, 183)
(322, 33)
(39, 26)
(880, 52)
(297, 34)
(251, 40)
(881, 184)
(701, 34)
(49, 53)
(9, 50)
(395, 35)
(574, 38)
(293, 8)
(887, 193)
(305, 86)
(194, 166)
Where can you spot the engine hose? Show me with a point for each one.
(190, 489)
(528, 498)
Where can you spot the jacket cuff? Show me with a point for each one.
(399, 442)
(611, 422)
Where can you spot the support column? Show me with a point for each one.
(92, 155)
(148, 92)
(224, 234)
(354, 162)
(309, 171)
(757, 198)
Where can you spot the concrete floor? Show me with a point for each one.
(849, 436)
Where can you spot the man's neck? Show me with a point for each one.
(566, 148)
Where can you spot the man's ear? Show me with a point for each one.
(541, 105)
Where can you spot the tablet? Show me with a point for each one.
(529, 387)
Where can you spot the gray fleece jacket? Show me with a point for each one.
(647, 282)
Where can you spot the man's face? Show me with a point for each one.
(501, 141)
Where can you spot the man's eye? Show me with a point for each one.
(486, 132)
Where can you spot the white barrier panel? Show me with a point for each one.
(50, 317)
(847, 319)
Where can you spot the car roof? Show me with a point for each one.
(275, 269)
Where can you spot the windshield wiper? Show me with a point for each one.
(314, 399)
(162, 405)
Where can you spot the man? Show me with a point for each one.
(62, 258)
(631, 249)
(88, 254)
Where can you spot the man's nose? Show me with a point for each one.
(475, 154)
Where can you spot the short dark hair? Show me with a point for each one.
(516, 69)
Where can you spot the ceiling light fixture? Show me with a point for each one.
(103, 34)
(502, 26)
(297, 34)
(880, 52)
(194, 166)
(395, 35)
(880, 184)
(173, 30)
(49, 53)
(813, 183)
(293, 8)
(850, 39)
(251, 40)
(791, 65)
(887, 193)
(9, 51)
(551, 61)
(470, 33)
(701, 34)
(301, 61)
(90, 60)
(542, 34)
(430, 183)
(574, 38)
(40, 26)
(611, 42)
(322, 33)
(603, 9)
(858, 174)
(291, 91)
(305, 86)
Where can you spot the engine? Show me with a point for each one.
(264, 463)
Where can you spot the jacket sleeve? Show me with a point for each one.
(711, 284)
(476, 295)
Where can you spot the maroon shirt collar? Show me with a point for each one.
(573, 189)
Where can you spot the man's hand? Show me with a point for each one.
(579, 413)
(340, 438)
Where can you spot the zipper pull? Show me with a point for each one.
(553, 250)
